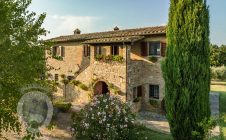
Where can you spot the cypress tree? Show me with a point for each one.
(186, 69)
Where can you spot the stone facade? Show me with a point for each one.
(134, 71)
(142, 72)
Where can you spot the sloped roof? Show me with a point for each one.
(114, 40)
(112, 36)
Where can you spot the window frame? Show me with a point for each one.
(98, 50)
(60, 52)
(86, 50)
(56, 77)
(135, 91)
(155, 95)
(113, 49)
(149, 46)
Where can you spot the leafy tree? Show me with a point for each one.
(186, 69)
(223, 55)
(217, 55)
(22, 59)
(214, 55)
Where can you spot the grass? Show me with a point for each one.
(219, 86)
(223, 113)
(143, 133)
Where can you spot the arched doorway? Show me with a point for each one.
(101, 88)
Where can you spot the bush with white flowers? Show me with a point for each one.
(106, 117)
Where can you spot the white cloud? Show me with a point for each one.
(163, 24)
(65, 25)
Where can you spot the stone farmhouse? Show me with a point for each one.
(122, 62)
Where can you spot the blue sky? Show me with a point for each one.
(63, 16)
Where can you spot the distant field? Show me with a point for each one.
(220, 87)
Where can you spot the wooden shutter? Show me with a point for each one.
(54, 50)
(163, 49)
(95, 50)
(88, 50)
(144, 49)
(139, 91)
(62, 51)
(85, 50)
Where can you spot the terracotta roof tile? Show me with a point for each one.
(114, 40)
(112, 34)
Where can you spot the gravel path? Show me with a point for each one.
(158, 122)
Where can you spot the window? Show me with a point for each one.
(154, 91)
(86, 50)
(137, 92)
(98, 50)
(58, 51)
(114, 50)
(154, 48)
(56, 77)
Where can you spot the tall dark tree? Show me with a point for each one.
(22, 59)
(186, 69)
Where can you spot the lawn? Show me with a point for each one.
(144, 133)
(220, 87)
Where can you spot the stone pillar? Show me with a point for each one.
(126, 55)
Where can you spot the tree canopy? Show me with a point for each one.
(186, 69)
(217, 55)
(22, 56)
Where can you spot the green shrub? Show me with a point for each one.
(104, 118)
(153, 59)
(83, 86)
(109, 58)
(117, 58)
(218, 73)
(76, 82)
(63, 106)
(60, 58)
(136, 100)
(99, 57)
(154, 102)
(51, 126)
(206, 125)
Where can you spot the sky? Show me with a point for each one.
(64, 16)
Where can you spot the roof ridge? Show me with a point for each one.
(114, 31)
(125, 29)
(108, 34)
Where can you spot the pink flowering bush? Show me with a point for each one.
(104, 118)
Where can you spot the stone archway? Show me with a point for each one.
(100, 88)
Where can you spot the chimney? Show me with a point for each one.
(77, 31)
(116, 28)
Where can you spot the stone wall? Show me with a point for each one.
(134, 71)
(90, 70)
(142, 72)
(72, 62)
(110, 72)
